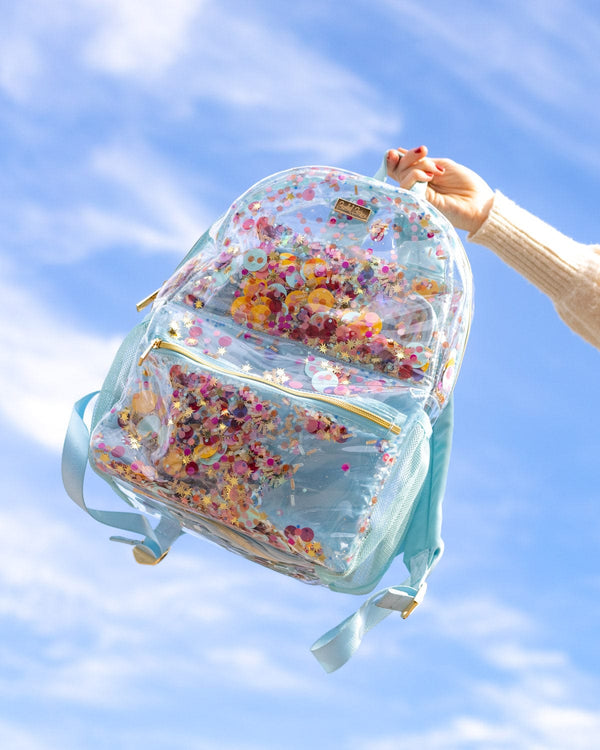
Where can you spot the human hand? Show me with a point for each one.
(459, 193)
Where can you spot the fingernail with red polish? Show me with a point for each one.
(429, 174)
(441, 170)
(419, 150)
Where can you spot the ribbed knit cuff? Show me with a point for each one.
(545, 256)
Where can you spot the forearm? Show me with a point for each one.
(567, 271)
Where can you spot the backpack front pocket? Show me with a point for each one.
(290, 479)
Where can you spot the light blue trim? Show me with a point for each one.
(422, 547)
(74, 463)
(424, 534)
(381, 173)
(333, 649)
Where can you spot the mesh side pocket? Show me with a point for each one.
(391, 517)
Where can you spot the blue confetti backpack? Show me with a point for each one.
(288, 396)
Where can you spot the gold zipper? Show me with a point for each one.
(341, 404)
(147, 300)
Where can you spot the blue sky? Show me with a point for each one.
(126, 127)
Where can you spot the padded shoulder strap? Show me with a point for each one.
(74, 462)
(422, 547)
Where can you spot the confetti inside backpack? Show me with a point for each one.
(289, 394)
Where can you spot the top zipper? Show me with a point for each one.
(147, 300)
(340, 403)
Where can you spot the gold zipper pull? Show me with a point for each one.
(155, 344)
(147, 300)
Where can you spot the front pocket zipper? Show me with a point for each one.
(257, 458)
(338, 402)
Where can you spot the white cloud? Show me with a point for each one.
(525, 723)
(19, 67)
(45, 364)
(511, 656)
(14, 736)
(302, 99)
(157, 190)
(253, 668)
(524, 697)
(478, 618)
(175, 57)
(143, 205)
(140, 37)
(96, 629)
(538, 69)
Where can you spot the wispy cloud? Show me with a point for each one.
(255, 669)
(45, 364)
(524, 697)
(178, 58)
(98, 633)
(278, 79)
(143, 38)
(19, 68)
(537, 69)
(122, 195)
(18, 737)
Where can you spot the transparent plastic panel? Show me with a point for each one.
(277, 476)
(386, 290)
(289, 374)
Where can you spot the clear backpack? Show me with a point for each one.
(288, 396)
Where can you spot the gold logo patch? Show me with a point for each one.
(342, 206)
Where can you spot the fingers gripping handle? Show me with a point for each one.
(419, 188)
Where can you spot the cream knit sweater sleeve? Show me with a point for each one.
(567, 271)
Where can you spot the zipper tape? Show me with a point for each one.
(331, 400)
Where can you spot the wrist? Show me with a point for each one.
(481, 215)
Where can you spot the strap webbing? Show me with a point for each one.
(74, 463)
(422, 547)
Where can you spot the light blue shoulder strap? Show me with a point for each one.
(422, 547)
(156, 541)
(381, 173)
